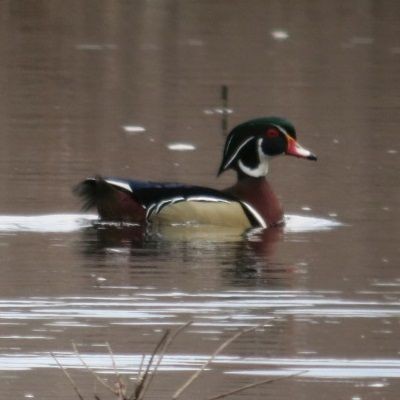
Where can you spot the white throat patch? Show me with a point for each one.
(261, 169)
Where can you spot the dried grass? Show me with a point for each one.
(147, 372)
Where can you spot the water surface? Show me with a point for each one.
(132, 89)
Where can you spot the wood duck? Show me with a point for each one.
(249, 203)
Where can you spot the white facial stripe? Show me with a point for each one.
(262, 167)
(228, 143)
(281, 129)
(122, 185)
(255, 214)
(227, 164)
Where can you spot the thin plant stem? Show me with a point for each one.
(169, 339)
(72, 382)
(120, 383)
(141, 366)
(136, 395)
(210, 359)
(105, 384)
(255, 384)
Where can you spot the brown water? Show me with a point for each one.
(77, 77)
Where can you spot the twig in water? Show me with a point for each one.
(224, 98)
(210, 359)
(73, 384)
(255, 384)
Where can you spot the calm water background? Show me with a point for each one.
(76, 76)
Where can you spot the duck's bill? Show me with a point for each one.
(294, 149)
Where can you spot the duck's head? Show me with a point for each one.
(250, 146)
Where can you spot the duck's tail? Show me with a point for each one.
(111, 201)
(93, 191)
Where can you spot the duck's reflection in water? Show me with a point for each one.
(238, 258)
(221, 280)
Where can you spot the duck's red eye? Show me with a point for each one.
(272, 133)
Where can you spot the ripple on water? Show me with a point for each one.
(319, 368)
(75, 222)
(213, 308)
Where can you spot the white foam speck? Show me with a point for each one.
(89, 46)
(132, 129)
(358, 40)
(195, 42)
(218, 110)
(280, 34)
(96, 46)
(378, 384)
(181, 146)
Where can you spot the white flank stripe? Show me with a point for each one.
(207, 198)
(175, 199)
(122, 185)
(256, 215)
(150, 211)
(157, 207)
(160, 204)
